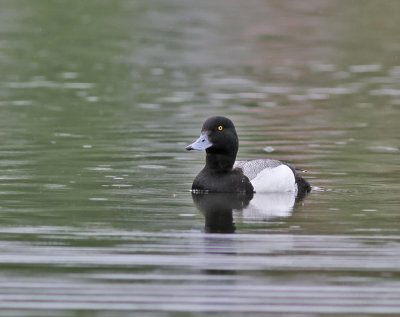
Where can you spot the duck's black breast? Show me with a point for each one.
(213, 181)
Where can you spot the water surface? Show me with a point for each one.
(97, 102)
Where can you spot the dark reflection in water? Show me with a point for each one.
(218, 208)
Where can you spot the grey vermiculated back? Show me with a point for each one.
(252, 168)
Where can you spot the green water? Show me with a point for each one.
(97, 102)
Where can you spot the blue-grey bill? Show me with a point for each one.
(200, 144)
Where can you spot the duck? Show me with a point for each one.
(223, 174)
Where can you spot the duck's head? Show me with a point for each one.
(218, 136)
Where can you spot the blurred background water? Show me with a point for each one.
(98, 100)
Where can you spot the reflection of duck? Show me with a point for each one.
(222, 175)
(217, 209)
(270, 205)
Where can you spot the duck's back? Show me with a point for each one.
(252, 168)
(272, 176)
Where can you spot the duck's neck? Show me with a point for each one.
(220, 162)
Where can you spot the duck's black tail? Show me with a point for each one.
(303, 187)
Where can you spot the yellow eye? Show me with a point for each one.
(220, 128)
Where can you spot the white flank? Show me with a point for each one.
(277, 179)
